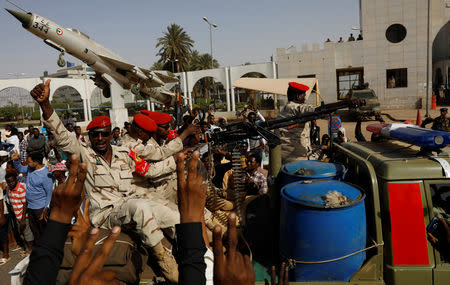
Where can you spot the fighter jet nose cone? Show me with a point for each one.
(24, 18)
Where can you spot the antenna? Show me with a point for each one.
(17, 6)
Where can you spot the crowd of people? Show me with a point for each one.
(167, 184)
(29, 171)
(62, 185)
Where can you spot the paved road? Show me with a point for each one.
(5, 279)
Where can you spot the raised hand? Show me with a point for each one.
(191, 192)
(234, 267)
(67, 197)
(41, 92)
(14, 155)
(282, 277)
(80, 231)
(446, 225)
(88, 268)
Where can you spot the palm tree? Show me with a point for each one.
(193, 59)
(175, 47)
(158, 65)
(200, 62)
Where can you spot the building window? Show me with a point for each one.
(397, 78)
(396, 33)
(348, 79)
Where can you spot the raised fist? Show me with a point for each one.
(41, 92)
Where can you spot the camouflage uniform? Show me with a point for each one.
(166, 184)
(295, 142)
(114, 199)
(152, 151)
(441, 124)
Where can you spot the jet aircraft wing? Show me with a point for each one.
(117, 63)
(156, 78)
(166, 77)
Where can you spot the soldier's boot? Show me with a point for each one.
(166, 262)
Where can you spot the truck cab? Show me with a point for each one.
(404, 192)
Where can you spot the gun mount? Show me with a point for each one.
(244, 130)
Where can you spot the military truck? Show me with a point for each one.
(404, 192)
(370, 109)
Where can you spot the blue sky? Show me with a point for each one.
(248, 30)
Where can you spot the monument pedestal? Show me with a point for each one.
(118, 117)
(118, 113)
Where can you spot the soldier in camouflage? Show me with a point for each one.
(296, 144)
(108, 185)
(442, 123)
(157, 148)
(141, 130)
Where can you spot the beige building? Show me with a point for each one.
(391, 57)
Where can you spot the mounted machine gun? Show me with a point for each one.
(244, 130)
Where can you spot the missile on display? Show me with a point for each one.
(103, 61)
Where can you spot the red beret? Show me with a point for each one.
(298, 86)
(144, 122)
(99, 122)
(158, 117)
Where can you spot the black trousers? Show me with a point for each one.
(36, 223)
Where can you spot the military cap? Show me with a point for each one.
(144, 122)
(298, 86)
(443, 109)
(99, 122)
(158, 117)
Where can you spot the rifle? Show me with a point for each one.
(244, 130)
(179, 109)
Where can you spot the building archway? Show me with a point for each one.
(441, 65)
(209, 92)
(261, 100)
(99, 104)
(68, 103)
(16, 105)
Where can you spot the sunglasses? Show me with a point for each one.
(166, 127)
(96, 134)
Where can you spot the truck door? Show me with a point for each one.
(438, 199)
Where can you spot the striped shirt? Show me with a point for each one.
(17, 198)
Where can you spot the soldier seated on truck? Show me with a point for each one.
(108, 185)
(441, 123)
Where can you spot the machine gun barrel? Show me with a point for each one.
(243, 130)
(319, 113)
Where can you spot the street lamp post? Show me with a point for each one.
(211, 25)
(210, 39)
(174, 60)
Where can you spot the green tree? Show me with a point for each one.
(175, 46)
(10, 112)
(200, 62)
(158, 65)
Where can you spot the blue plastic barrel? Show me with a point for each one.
(309, 170)
(310, 232)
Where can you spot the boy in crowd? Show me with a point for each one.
(4, 240)
(17, 199)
